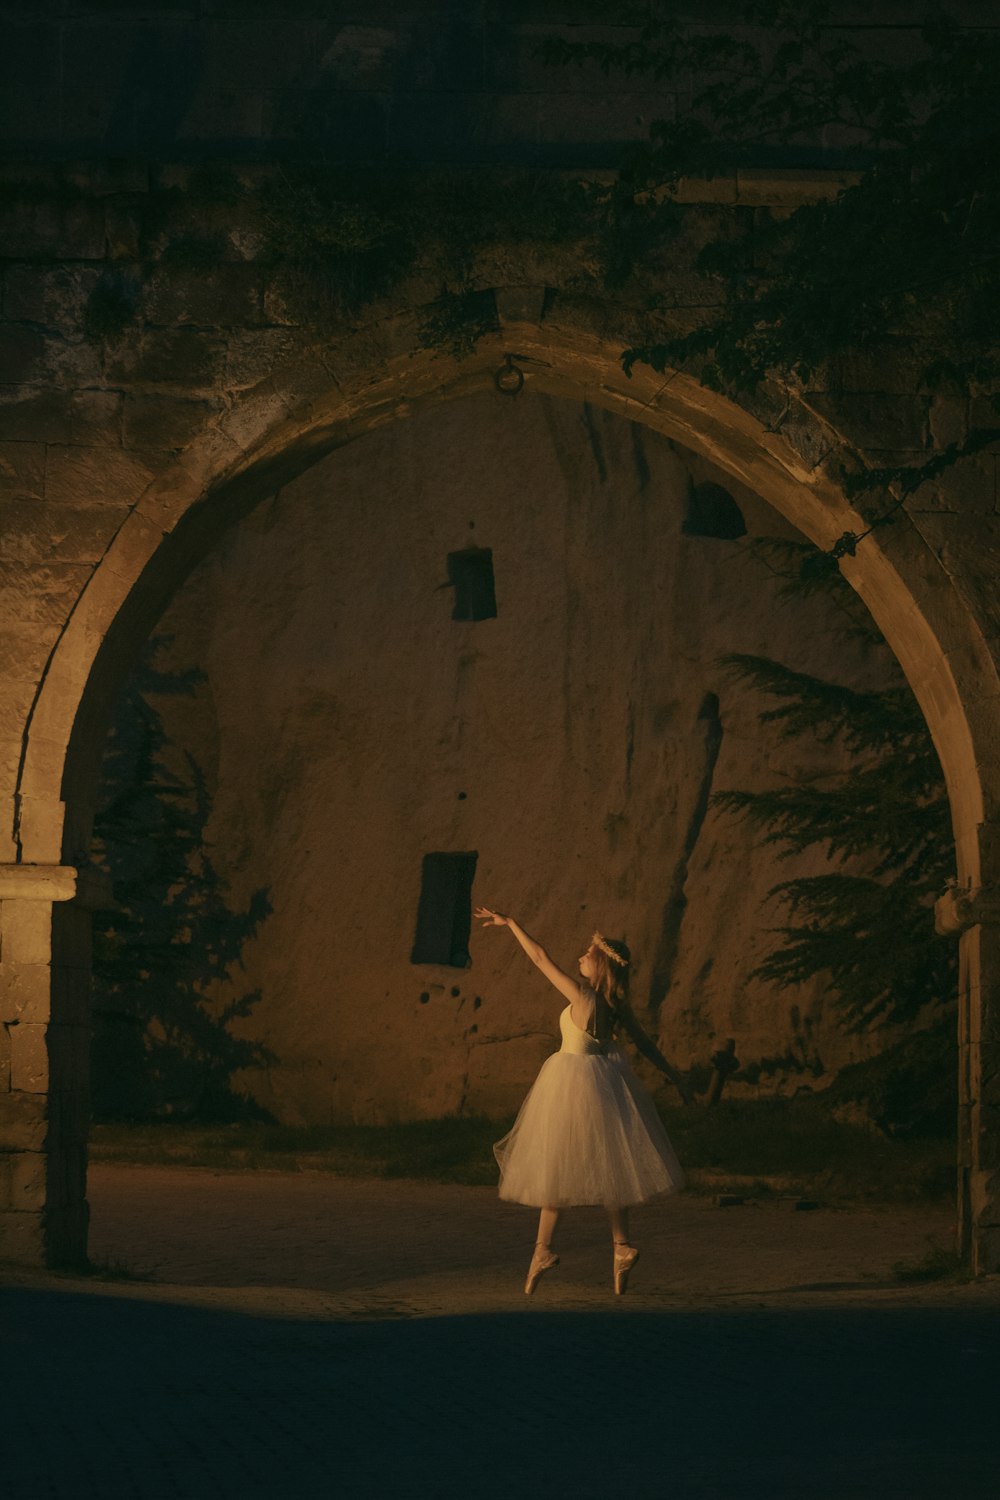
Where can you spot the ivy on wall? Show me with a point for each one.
(904, 256)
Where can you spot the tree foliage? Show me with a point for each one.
(905, 251)
(162, 1044)
(866, 925)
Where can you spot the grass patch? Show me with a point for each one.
(756, 1147)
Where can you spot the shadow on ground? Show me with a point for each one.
(111, 1396)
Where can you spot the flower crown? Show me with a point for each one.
(597, 941)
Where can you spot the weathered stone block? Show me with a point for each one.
(22, 1181)
(29, 1057)
(22, 470)
(520, 304)
(893, 366)
(41, 829)
(28, 414)
(41, 595)
(24, 1121)
(253, 357)
(25, 992)
(22, 1238)
(43, 770)
(32, 534)
(95, 417)
(170, 496)
(25, 932)
(78, 476)
(876, 421)
(54, 296)
(166, 421)
(10, 759)
(967, 488)
(73, 363)
(175, 356)
(225, 298)
(25, 650)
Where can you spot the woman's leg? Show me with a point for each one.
(619, 1225)
(623, 1253)
(543, 1257)
(547, 1221)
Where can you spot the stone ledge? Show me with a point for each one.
(90, 888)
(37, 882)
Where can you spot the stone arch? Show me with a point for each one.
(789, 455)
(271, 437)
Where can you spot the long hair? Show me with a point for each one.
(611, 982)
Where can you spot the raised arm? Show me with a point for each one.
(644, 1043)
(563, 982)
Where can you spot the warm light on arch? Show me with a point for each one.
(279, 431)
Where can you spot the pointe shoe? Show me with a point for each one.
(624, 1260)
(543, 1260)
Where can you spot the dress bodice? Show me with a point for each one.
(575, 1040)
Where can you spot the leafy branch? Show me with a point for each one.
(905, 253)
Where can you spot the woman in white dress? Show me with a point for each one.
(587, 1133)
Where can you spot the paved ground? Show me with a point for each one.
(312, 1337)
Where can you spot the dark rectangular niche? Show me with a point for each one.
(712, 511)
(444, 915)
(470, 573)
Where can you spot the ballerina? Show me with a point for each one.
(587, 1132)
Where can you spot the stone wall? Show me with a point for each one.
(126, 458)
(349, 725)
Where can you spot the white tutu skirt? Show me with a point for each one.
(587, 1132)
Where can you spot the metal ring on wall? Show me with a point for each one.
(509, 379)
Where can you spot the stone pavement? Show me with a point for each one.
(308, 1336)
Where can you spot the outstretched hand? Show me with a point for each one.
(490, 918)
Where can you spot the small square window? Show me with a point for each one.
(444, 915)
(470, 573)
